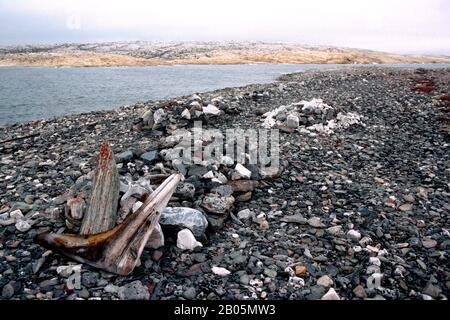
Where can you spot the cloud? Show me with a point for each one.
(390, 25)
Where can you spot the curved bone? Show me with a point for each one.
(131, 188)
(117, 250)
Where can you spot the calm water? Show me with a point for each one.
(35, 93)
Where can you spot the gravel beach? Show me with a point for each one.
(356, 211)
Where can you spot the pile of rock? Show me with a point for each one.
(309, 117)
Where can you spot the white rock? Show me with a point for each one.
(375, 261)
(354, 235)
(243, 171)
(292, 121)
(22, 226)
(136, 206)
(16, 215)
(186, 114)
(227, 161)
(66, 271)
(296, 282)
(325, 281)
(245, 214)
(208, 175)
(211, 109)
(186, 240)
(159, 116)
(335, 230)
(331, 295)
(220, 271)
(147, 117)
(195, 97)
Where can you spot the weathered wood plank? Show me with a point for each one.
(102, 212)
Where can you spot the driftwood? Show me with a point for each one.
(102, 244)
(117, 250)
(102, 212)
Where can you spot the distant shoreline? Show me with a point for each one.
(150, 54)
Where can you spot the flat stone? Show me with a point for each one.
(124, 156)
(8, 291)
(149, 157)
(325, 281)
(216, 204)
(134, 291)
(300, 271)
(211, 110)
(296, 218)
(190, 293)
(429, 243)
(354, 235)
(245, 214)
(243, 185)
(432, 290)
(405, 207)
(181, 218)
(360, 292)
(315, 222)
(22, 226)
(242, 171)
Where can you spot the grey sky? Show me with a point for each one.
(410, 26)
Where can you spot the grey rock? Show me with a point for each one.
(124, 156)
(8, 291)
(197, 171)
(190, 293)
(134, 291)
(22, 206)
(432, 290)
(149, 157)
(29, 199)
(315, 222)
(89, 279)
(271, 273)
(185, 190)
(216, 204)
(181, 218)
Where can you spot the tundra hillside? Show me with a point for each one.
(143, 53)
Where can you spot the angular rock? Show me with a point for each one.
(181, 218)
(217, 204)
(124, 156)
(242, 171)
(149, 157)
(134, 291)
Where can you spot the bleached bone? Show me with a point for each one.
(119, 249)
(134, 188)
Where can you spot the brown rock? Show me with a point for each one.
(244, 197)
(300, 271)
(243, 185)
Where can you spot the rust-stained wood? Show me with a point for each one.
(102, 212)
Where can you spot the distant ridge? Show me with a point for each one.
(142, 53)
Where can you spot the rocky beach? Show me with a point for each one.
(358, 208)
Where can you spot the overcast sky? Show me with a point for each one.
(409, 26)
